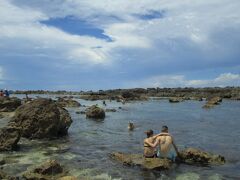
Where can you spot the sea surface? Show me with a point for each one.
(85, 151)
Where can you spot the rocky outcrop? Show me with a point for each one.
(175, 99)
(140, 161)
(47, 171)
(9, 104)
(133, 96)
(95, 112)
(212, 102)
(41, 118)
(68, 102)
(9, 137)
(196, 156)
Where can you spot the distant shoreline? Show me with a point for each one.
(223, 92)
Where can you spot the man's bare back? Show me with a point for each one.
(165, 145)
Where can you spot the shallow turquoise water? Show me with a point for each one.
(85, 152)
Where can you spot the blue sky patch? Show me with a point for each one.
(76, 26)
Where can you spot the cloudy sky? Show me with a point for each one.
(105, 44)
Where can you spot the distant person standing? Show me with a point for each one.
(104, 103)
(6, 93)
(1, 93)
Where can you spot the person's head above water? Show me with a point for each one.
(149, 133)
(164, 129)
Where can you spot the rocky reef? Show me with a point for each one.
(49, 170)
(95, 112)
(140, 161)
(9, 137)
(67, 102)
(212, 102)
(9, 104)
(196, 156)
(41, 118)
(189, 156)
(122, 95)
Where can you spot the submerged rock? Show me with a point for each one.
(51, 169)
(212, 102)
(193, 156)
(139, 160)
(68, 103)
(5, 176)
(9, 137)
(110, 110)
(9, 104)
(80, 112)
(95, 112)
(41, 118)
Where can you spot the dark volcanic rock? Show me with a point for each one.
(68, 103)
(9, 104)
(9, 137)
(47, 171)
(41, 118)
(139, 160)
(193, 156)
(95, 112)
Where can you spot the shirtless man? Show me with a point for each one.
(165, 143)
(149, 148)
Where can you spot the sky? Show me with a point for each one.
(107, 44)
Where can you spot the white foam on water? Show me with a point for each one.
(188, 176)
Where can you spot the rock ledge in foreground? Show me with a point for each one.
(139, 160)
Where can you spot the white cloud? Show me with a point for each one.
(21, 31)
(20, 26)
(226, 79)
(187, 25)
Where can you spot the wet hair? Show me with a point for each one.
(149, 133)
(164, 128)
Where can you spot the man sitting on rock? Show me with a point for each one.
(165, 142)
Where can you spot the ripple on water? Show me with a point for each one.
(188, 176)
(91, 174)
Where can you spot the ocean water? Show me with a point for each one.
(85, 151)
